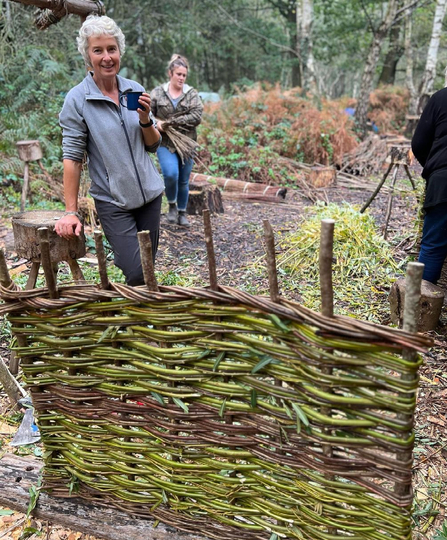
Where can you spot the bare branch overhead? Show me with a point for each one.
(52, 11)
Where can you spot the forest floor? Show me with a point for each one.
(238, 242)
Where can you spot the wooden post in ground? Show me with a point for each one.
(6, 378)
(45, 258)
(210, 250)
(271, 260)
(102, 262)
(325, 266)
(147, 261)
(327, 309)
(413, 280)
(28, 151)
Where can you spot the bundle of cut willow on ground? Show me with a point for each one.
(221, 413)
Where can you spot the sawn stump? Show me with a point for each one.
(26, 225)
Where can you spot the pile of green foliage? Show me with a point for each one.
(364, 266)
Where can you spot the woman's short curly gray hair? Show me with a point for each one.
(95, 25)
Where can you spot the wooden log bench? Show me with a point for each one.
(18, 474)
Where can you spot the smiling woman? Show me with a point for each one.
(125, 184)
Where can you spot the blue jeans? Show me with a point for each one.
(434, 241)
(176, 176)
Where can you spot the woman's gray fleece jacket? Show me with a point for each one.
(120, 168)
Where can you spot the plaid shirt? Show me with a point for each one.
(185, 117)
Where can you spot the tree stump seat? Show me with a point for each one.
(204, 196)
(432, 300)
(26, 227)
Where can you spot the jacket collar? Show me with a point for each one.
(93, 91)
(186, 88)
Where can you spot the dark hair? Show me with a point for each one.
(177, 61)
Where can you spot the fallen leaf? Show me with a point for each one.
(435, 420)
(16, 271)
(421, 494)
(6, 429)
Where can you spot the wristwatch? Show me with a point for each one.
(149, 124)
(77, 214)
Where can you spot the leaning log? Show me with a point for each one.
(18, 474)
(228, 184)
(55, 10)
(251, 197)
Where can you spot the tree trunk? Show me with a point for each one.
(392, 58)
(412, 108)
(379, 35)
(304, 21)
(8, 13)
(428, 78)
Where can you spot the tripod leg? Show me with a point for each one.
(373, 196)
(407, 170)
(390, 202)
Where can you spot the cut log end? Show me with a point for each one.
(432, 300)
(204, 196)
(26, 238)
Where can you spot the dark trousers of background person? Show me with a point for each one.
(434, 241)
(121, 227)
(176, 176)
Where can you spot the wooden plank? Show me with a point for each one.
(17, 474)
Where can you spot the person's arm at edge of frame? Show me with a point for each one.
(424, 133)
(70, 225)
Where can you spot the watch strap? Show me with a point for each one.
(148, 124)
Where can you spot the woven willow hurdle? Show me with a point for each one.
(219, 412)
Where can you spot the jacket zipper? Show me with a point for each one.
(131, 153)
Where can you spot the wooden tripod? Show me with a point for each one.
(399, 156)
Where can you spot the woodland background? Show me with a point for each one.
(325, 49)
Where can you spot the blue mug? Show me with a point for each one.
(132, 101)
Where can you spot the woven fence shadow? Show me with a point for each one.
(213, 410)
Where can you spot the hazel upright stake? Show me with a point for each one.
(325, 263)
(271, 260)
(45, 258)
(102, 265)
(413, 280)
(210, 250)
(144, 239)
(327, 309)
(5, 279)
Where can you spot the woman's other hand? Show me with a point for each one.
(68, 227)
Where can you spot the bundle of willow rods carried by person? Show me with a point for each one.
(185, 147)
